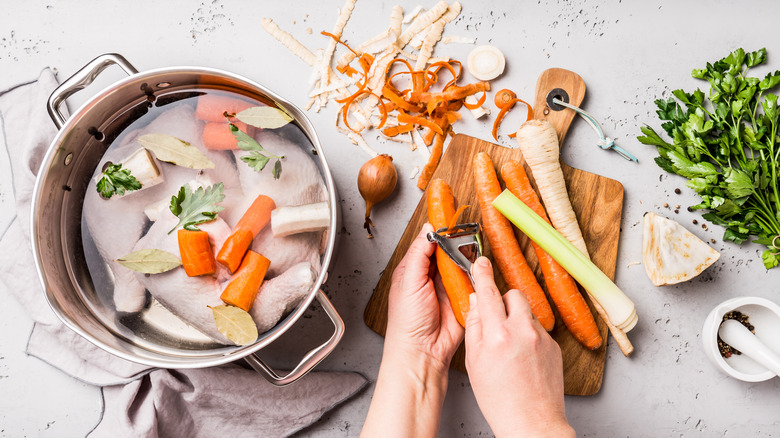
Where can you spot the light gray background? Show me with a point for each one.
(629, 54)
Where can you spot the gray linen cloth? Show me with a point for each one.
(139, 401)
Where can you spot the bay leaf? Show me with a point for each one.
(149, 261)
(174, 150)
(266, 117)
(235, 323)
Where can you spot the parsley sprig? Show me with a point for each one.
(116, 181)
(726, 144)
(258, 157)
(194, 208)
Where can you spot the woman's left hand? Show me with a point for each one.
(421, 322)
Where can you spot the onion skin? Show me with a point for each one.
(377, 179)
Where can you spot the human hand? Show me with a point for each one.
(421, 323)
(515, 367)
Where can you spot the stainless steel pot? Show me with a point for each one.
(57, 205)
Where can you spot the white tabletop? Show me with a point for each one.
(629, 54)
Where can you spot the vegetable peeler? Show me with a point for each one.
(462, 243)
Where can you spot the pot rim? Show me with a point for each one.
(232, 352)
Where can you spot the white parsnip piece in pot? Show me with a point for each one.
(142, 166)
(539, 143)
(289, 220)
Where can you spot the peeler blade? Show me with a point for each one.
(461, 243)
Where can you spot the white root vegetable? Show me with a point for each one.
(671, 253)
(142, 166)
(486, 62)
(538, 142)
(289, 220)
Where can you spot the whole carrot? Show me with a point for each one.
(254, 219)
(571, 305)
(503, 243)
(197, 257)
(243, 287)
(441, 208)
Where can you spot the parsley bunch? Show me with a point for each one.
(726, 144)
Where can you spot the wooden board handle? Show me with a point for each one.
(566, 80)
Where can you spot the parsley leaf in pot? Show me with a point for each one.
(116, 181)
(725, 143)
(193, 208)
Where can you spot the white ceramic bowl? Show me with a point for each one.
(764, 315)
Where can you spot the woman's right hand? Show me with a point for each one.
(515, 367)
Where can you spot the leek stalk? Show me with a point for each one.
(619, 308)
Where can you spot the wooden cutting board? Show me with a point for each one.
(597, 202)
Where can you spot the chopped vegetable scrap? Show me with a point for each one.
(725, 143)
(294, 219)
(193, 208)
(368, 81)
(252, 222)
(197, 256)
(243, 286)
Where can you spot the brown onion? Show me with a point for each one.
(376, 181)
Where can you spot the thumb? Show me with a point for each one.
(473, 321)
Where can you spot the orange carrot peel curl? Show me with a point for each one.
(505, 100)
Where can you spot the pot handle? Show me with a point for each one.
(85, 76)
(312, 358)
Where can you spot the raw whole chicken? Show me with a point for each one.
(141, 220)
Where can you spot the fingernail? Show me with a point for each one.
(484, 262)
(472, 299)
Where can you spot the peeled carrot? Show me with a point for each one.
(571, 305)
(243, 287)
(197, 257)
(503, 243)
(254, 219)
(441, 208)
(212, 107)
(218, 136)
